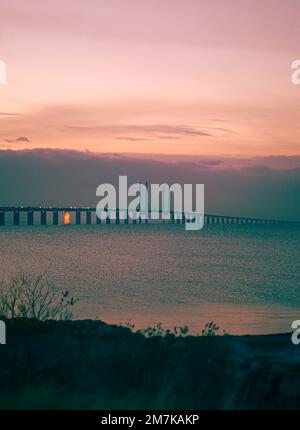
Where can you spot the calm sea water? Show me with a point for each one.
(245, 278)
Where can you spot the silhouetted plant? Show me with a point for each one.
(37, 298)
(210, 329)
(159, 330)
(129, 325)
(181, 331)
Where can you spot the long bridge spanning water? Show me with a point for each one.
(20, 215)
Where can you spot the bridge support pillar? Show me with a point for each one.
(183, 217)
(134, 218)
(55, 218)
(2, 218)
(43, 218)
(117, 216)
(126, 220)
(172, 217)
(30, 218)
(78, 217)
(88, 217)
(16, 218)
(108, 221)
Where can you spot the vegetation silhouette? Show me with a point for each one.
(37, 298)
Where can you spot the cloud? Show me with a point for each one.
(65, 177)
(18, 139)
(9, 114)
(132, 139)
(210, 162)
(148, 129)
(22, 139)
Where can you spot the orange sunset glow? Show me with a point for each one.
(153, 78)
(67, 218)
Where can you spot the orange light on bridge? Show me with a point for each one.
(67, 218)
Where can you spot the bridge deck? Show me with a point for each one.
(114, 215)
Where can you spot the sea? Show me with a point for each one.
(245, 278)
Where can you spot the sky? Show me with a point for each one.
(188, 78)
(177, 91)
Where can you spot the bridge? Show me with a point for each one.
(87, 216)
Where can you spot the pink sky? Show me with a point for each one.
(150, 76)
